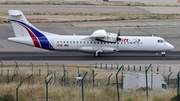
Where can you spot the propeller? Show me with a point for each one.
(118, 34)
(117, 38)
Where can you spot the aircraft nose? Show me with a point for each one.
(171, 46)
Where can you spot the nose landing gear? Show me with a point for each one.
(163, 54)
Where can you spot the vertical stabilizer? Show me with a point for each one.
(24, 30)
(20, 24)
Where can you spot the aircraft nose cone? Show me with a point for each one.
(171, 47)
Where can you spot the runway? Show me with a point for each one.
(174, 55)
(168, 29)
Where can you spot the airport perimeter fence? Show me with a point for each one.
(67, 78)
(156, 69)
(159, 69)
(169, 72)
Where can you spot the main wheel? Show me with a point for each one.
(97, 54)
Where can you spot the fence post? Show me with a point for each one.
(17, 90)
(47, 86)
(128, 67)
(151, 68)
(147, 80)
(31, 66)
(122, 67)
(139, 68)
(47, 68)
(168, 78)
(117, 67)
(134, 68)
(169, 69)
(111, 66)
(78, 71)
(39, 72)
(157, 68)
(100, 65)
(105, 66)
(109, 79)
(29, 78)
(1, 68)
(95, 65)
(82, 81)
(7, 76)
(178, 85)
(117, 84)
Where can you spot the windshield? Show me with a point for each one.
(161, 41)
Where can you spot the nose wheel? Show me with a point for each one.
(163, 54)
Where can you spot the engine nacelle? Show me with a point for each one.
(102, 35)
(111, 38)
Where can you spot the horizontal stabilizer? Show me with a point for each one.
(14, 12)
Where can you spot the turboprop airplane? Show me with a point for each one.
(99, 43)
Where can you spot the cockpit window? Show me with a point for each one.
(161, 41)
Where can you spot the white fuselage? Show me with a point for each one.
(98, 43)
(86, 44)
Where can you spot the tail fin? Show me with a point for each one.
(22, 28)
(19, 23)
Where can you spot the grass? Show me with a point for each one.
(89, 17)
(36, 89)
(72, 93)
(62, 2)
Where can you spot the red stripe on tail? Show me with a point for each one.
(34, 38)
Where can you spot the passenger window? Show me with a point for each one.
(57, 41)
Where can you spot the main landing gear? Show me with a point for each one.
(98, 53)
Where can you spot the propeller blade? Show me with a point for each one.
(119, 32)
